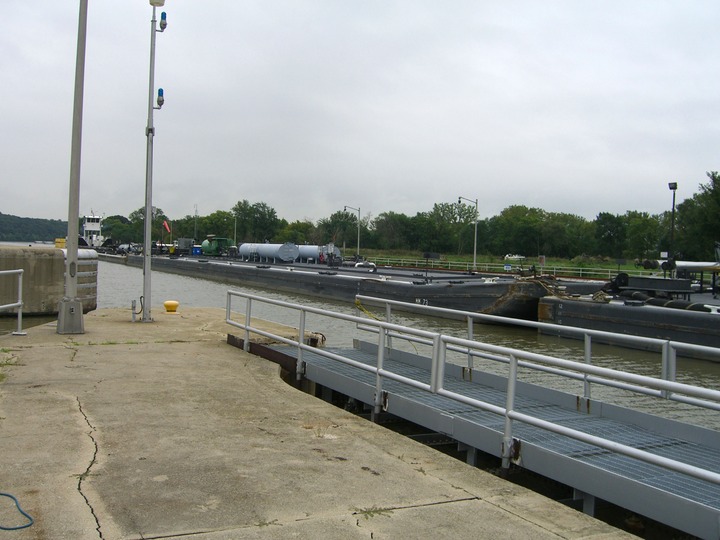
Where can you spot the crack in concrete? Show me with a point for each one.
(86, 473)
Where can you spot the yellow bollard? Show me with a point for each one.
(171, 305)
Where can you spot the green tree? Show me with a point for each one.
(120, 229)
(465, 220)
(392, 231)
(297, 232)
(698, 222)
(256, 222)
(565, 235)
(184, 227)
(137, 224)
(22, 229)
(340, 228)
(643, 234)
(437, 230)
(610, 234)
(517, 230)
(265, 222)
(220, 223)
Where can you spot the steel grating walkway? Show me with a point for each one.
(678, 500)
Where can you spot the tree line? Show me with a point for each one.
(448, 228)
(23, 229)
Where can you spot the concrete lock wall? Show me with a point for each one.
(44, 278)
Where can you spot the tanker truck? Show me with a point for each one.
(328, 254)
(286, 252)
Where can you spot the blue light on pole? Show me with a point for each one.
(150, 133)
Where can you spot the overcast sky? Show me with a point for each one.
(309, 106)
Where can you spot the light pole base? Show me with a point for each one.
(70, 317)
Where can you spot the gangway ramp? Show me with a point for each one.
(666, 470)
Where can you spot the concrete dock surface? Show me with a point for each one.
(162, 430)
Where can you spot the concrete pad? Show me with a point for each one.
(157, 430)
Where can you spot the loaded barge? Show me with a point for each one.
(505, 296)
(640, 306)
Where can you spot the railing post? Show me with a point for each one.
(248, 311)
(669, 365)
(588, 361)
(437, 369)
(507, 446)
(378, 376)
(19, 331)
(388, 318)
(301, 339)
(470, 334)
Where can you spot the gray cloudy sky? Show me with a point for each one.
(572, 106)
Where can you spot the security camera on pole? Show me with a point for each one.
(150, 133)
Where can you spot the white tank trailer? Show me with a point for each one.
(312, 253)
(286, 252)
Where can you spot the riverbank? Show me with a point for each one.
(155, 430)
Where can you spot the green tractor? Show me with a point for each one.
(215, 246)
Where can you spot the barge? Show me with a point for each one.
(655, 308)
(505, 296)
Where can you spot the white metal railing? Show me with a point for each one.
(440, 343)
(19, 303)
(667, 349)
(511, 266)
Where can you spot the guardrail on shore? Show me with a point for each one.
(441, 344)
(19, 303)
(510, 267)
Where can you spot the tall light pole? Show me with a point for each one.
(357, 256)
(673, 187)
(70, 313)
(460, 199)
(150, 133)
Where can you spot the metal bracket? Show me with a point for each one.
(513, 453)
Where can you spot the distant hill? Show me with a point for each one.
(20, 229)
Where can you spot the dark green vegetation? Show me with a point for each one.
(19, 229)
(449, 227)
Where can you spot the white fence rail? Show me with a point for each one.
(17, 304)
(668, 350)
(510, 266)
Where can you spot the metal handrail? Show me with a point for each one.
(19, 303)
(668, 349)
(514, 266)
(441, 344)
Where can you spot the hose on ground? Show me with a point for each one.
(23, 512)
